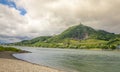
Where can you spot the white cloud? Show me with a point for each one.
(48, 17)
(101, 14)
(10, 20)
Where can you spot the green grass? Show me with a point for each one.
(9, 49)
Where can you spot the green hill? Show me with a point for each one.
(79, 36)
(81, 32)
(35, 40)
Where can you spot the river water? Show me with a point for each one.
(73, 60)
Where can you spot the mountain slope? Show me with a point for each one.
(81, 32)
(35, 40)
(79, 36)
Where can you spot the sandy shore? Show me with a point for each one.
(8, 63)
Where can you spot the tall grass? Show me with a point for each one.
(9, 49)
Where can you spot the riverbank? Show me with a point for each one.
(8, 63)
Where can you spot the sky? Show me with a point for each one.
(27, 19)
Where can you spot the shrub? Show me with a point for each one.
(9, 49)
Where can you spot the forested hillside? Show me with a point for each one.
(80, 36)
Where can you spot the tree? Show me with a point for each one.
(113, 47)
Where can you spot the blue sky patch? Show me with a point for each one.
(12, 4)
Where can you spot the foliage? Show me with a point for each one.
(35, 40)
(78, 37)
(9, 49)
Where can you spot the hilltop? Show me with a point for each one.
(79, 36)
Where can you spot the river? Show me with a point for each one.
(73, 60)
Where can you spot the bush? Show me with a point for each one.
(9, 49)
(112, 47)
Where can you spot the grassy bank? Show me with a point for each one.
(10, 49)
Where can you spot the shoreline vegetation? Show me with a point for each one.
(76, 37)
(12, 49)
(8, 63)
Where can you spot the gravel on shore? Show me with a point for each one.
(8, 63)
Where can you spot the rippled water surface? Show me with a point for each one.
(72, 60)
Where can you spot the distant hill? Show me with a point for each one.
(32, 41)
(79, 36)
(81, 32)
(2, 42)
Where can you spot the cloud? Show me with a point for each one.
(10, 20)
(100, 14)
(49, 17)
(11, 23)
(12, 4)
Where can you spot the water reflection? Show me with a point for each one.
(72, 60)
